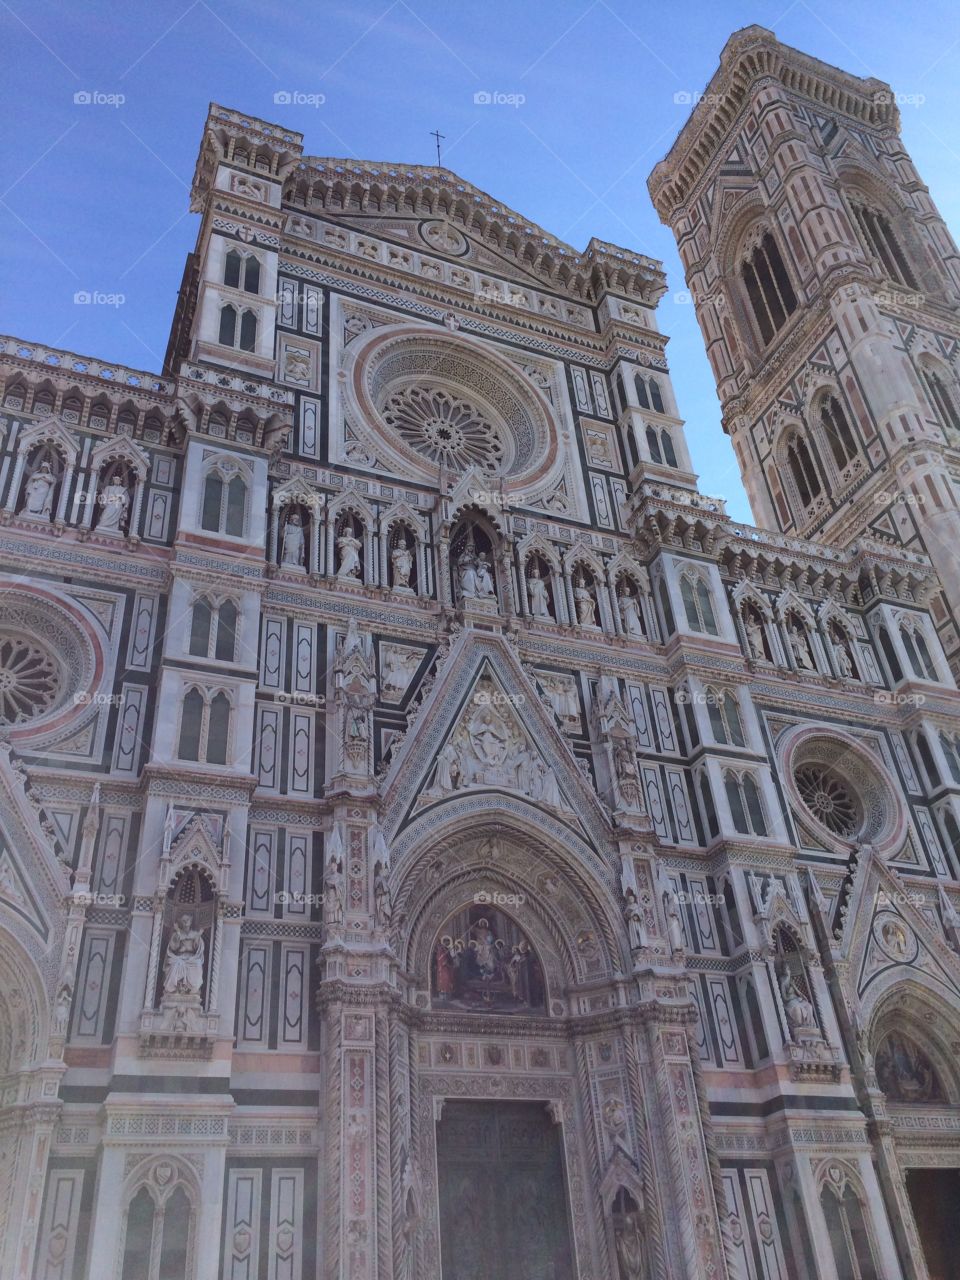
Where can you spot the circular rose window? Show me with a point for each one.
(841, 791)
(446, 428)
(829, 799)
(50, 663)
(436, 401)
(30, 679)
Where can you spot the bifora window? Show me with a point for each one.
(768, 287)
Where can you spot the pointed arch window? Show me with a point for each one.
(158, 1236)
(950, 745)
(941, 396)
(698, 605)
(746, 808)
(725, 723)
(653, 444)
(918, 654)
(228, 327)
(643, 396)
(882, 243)
(768, 287)
(238, 331)
(847, 1229)
(709, 808)
(890, 654)
(242, 271)
(224, 505)
(205, 726)
(802, 469)
(836, 425)
(669, 453)
(213, 630)
(656, 396)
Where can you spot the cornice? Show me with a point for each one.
(749, 56)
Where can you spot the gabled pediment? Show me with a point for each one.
(886, 938)
(485, 728)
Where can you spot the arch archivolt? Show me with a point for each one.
(24, 1012)
(918, 1008)
(571, 919)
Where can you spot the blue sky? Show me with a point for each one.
(95, 196)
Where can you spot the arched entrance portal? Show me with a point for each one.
(523, 1073)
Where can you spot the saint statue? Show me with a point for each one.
(467, 572)
(801, 648)
(183, 964)
(348, 545)
(633, 918)
(629, 1237)
(402, 560)
(333, 891)
(628, 777)
(114, 501)
(383, 908)
(674, 924)
(292, 555)
(586, 608)
(754, 630)
(796, 1006)
(630, 612)
(448, 768)
(844, 664)
(40, 488)
(537, 593)
(485, 586)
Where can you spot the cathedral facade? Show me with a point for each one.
(436, 841)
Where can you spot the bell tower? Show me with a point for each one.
(827, 289)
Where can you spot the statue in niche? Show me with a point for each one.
(114, 501)
(537, 593)
(183, 963)
(586, 606)
(671, 910)
(629, 607)
(799, 1010)
(383, 908)
(629, 1238)
(628, 776)
(292, 555)
(348, 548)
(485, 587)
(398, 667)
(333, 891)
(401, 557)
(755, 639)
(800, 646)
(561, 692)
(841, 653)
(904, 1072)
(40, 489)
(633, 918)
(467, 572)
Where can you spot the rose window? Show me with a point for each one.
(445, 428)
(829, 799)
(29, 680)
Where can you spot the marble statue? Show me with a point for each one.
(349, 545)
(40, 489)
(586, 606)
(114, 501)
(537, 593)
(183, 964)
(292, 556)
(630, 612)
